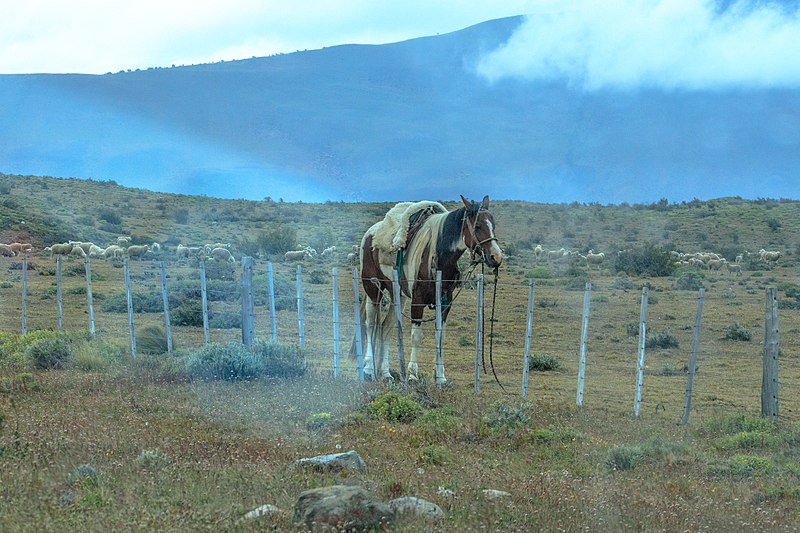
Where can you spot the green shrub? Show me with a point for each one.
(664, 339)
(632, 329)
(647, 260)
(277, 239)
(624, 457)
(738, 423)
(151, 340)
(539, 272)
(623, 283)
(187, 314)
(228, 361)
(435, 455)
(152, 459)
(745, 466)
(50, 353)
(107, 215)
(318, 420)
(96, 355)
(543, 363)
(280, 360)
(394, 407)
(437, 423)
(737, 332)
(506, 420)
(224, 320)
(746, 440)
(150, 302)
(689, 280)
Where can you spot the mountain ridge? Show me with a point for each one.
(389, 122)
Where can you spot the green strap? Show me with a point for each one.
(399, 263)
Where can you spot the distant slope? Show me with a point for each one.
(396, 121)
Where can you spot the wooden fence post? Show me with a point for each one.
(301, 321)
(271, 288)
(478, 334)
(642, 341)
(130, 306)
(584, 333)
(59, 295)
(25, 295)
(528, 332)
(692, 370)
(248, 328)
(88, 265)
(165, 300)
(335, 279)
(398, 316)
(439, 354)
(204, 300)
(357, 316)
(769, 377)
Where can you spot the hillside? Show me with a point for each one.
(389, 122)
(46, 210)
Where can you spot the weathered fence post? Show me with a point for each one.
(398, 315)
(528, 332)
(25, 295)
(248, 328)
(692, 370)
(357, 316)
(335, 279)
(478, 334)
(301, 321)
(769, 377)
(271, 288)
(439, 354)
(88, 266)
(59, 293)
(584, 333)
(130, 306)
(165, 299)
(642, 341)
(204, 300)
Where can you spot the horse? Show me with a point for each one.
(426, 237)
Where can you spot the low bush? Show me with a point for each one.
(438, 423)
(624, 457)
(506, 420)
(152, 340)
(50, 353)
(318, 420)
(647, 260)
(737, 332)
(664, 339)
(689, 280)
(435, 455)
(280, 360)
(229, 361)
(394, 407)
(543, 363)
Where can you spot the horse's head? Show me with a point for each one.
(478, 231)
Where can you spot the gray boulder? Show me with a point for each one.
(341, 508)
(417, 506)
(334, 462)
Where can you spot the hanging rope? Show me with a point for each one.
(491, 330)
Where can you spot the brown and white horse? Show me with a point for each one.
(430, 238)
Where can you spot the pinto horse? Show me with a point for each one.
(427, 238)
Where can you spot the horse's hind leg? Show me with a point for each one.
(384, 348)
(371, 322)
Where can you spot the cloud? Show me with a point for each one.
(665, 44)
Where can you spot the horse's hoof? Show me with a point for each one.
(369, 377)
(412, 377)
(388, 377)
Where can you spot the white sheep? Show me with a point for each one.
(296, 255)
(595, 259)
(114, 250)
(734, 268)
(352, 258)
(123, 240)
(6, 250)
(155, 247)
(20, 247)
(95, 250)
(328, 252)
(61, 249)
(77, 251)
(538, 251)
(222, 254)
(136, 250)
(552, 255)
(716, 264)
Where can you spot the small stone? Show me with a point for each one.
(83, 474)
(492, 494)
(418, 506)
(349, 461)
(266, 510)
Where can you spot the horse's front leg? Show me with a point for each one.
(416, 340)
(440, 379)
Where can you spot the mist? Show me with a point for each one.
(654, 44)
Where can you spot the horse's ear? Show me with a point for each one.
(485, 202)
(467, 203)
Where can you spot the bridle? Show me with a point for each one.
(476, 250)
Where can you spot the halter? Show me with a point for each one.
(476, 249)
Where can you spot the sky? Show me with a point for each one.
(99, 36)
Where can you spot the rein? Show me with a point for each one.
(491, 331)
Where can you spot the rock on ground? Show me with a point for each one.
(335, 462)
(417, 506)
(341, 507)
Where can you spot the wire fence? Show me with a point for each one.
(314, 305)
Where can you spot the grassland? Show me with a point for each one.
(226, 448)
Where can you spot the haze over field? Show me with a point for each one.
(607, 102)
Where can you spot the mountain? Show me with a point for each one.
(396, 121)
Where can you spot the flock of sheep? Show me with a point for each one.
(706, 260)
(563, 254)
(307, 252)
